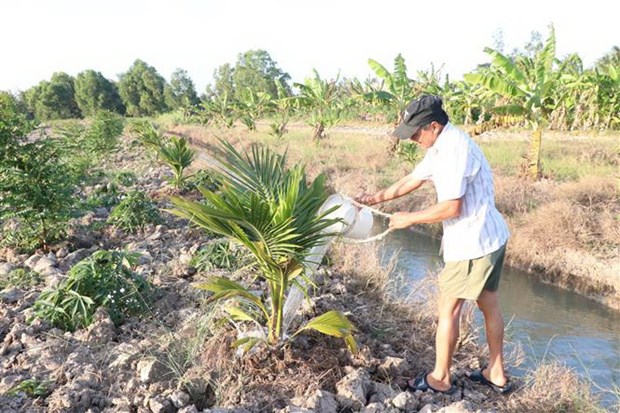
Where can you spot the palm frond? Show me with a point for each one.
(333, 323)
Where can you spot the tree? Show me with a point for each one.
(527, 84)
(254, 70)
(610, 59)
(93, 92)
(142, 90)
(223, 84)
(54, 99)
(181, 92)
(321, 98)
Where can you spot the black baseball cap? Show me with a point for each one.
(420, 112)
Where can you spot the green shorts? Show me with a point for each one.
(467, 278)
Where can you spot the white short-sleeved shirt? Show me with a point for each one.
(458, 169)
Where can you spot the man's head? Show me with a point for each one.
(420, 113)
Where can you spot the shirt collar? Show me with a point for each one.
(442, 140)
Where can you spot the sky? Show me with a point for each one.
(335, 37)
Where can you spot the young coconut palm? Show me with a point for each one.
(178, 156)
(274, 213)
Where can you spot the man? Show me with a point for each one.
(474, 236)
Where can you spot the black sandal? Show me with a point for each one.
(478, 377)
(421, 383)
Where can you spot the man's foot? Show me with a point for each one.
(423, 383)
(480, 377)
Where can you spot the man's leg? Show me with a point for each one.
(445, 341)
(488, 302)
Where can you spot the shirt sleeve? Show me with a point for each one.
(451, 177)
(423, 170)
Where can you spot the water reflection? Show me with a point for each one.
(550, 322)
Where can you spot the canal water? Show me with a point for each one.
(549, 322)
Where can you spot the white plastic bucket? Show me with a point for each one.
(357, 222)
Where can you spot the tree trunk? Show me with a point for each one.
(534, 155)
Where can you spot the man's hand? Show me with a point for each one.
(366, 199)
(400, 220)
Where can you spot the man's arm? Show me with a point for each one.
(399, 188)
(436, 213)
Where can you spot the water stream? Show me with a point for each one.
(550, 322)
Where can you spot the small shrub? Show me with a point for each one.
(219, 254)
(148, 134)
(32, 388)
(124, 178)
(104, 196)
(203, 179)
(408, 152)
(134, 212)
(104, 279)
(103, 133)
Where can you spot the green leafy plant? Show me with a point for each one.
(104, 196)
(408, 152)
(203, 178)
(36, 185)
(178, 156)
(148, 134)
(218, 254)
(134, 212)
(528, 85)
(274, 213)
(321, 98)
(124, 178)
(104, 279)
(32, 388)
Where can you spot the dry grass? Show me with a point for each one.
(553, 387)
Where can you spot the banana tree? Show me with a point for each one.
(398, 90)
(274, 213)
(528, 84)
(321, 98)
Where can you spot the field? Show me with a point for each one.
(174, 353)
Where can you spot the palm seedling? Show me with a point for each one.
(273, 212)
(178, 155)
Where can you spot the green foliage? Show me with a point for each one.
(32, 388)
(254, 70)
(142, 90)
(20, 278)
(528, 84)
(102, 135)
(134, 212)
(409, 152)
(36, 186)
(124, 178)
(54, 99)
(104, 279)
(398, 89)
(103, 196)
(320, 98)
(93, 92)
(178, 156)
(273, 212)
(203, 178)
(148, 134)
(83, 146)
(181, 92)
(220, 254)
